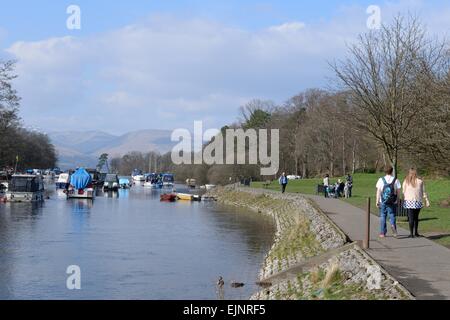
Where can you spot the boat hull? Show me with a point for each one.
(81, 194)
(168, 197)
(184, 197)
(62, 185)
(25, 196)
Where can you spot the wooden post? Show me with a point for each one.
(367, 239)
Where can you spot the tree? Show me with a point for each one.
(256, 113)
(9, 107)
(390, 75)
(102, 161)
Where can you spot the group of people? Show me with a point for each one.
(387, 197)
(339, 189)
(414, 199)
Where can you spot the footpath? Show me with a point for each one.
(419, 264)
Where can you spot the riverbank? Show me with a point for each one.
(434, 221)
(310, 257)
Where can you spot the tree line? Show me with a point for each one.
(18, 146)
(390, 106)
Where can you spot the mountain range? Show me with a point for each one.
(83, 148)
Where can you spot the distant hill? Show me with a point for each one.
(82, 148)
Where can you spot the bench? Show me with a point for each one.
(320, 189)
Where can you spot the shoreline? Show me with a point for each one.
(311, 257)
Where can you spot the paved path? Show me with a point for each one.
(421, 265)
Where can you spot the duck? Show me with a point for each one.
(220, 283)
(237, 284)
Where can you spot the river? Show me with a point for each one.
(129, 245)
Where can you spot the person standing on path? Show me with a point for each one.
(283, 182)
(387, 194)
(413, 194)
(349, 185)
(326, 185)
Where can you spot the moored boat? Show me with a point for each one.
(168, 197)
(152, 181)
(25, 188)
(191, 183)
(168, 180)
(111, 182)
(137, 176)
(63, 181)
(81, 185)
(184, 196)
(124, 183)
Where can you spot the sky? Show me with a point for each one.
(164, 64)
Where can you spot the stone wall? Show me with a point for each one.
(303, 234)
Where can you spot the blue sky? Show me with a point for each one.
(163, 64)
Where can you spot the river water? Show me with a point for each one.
(129, 245)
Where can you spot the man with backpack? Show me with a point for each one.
(387, 194)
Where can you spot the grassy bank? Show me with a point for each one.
(435, 221)
(309, 258)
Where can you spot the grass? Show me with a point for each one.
(327, 284)
(434, 221)
(296, 237)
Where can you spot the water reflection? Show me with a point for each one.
(111, 194)
(129, 246)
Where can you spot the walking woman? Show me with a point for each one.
(414, 193)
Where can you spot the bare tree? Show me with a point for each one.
(389, 75)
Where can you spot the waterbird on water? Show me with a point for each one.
(220, 283)
(237, 284)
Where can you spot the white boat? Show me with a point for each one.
(152, 181)
(138, 178)
(25, 188)
(210, 186)
(63, 181)
(4, 186)
(168, 180)
(191, 183)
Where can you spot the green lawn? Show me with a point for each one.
(435, 221)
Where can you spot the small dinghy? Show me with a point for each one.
(184, 196)
(168, 197)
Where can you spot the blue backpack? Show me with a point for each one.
(388, 195)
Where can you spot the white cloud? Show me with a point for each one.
(166, 72)
(288, 27)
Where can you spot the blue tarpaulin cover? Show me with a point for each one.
(80, 179)
(124, 181)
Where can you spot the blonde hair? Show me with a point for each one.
(411, 178)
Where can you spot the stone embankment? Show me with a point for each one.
(311, 257)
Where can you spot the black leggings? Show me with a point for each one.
(413, 217)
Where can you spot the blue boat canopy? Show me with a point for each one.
(124, 181)
(80, 179)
